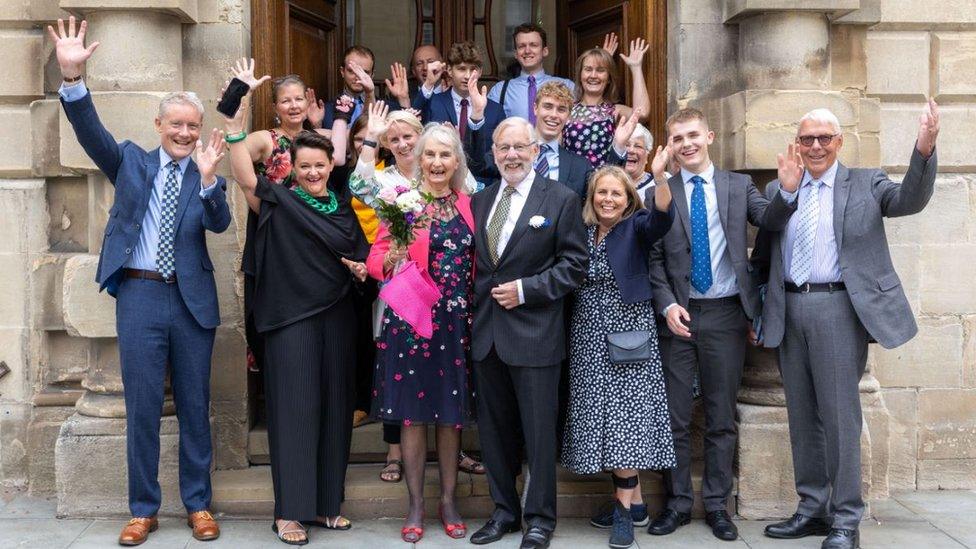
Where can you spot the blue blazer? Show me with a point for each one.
(132, 171)
(629, 248)
(440, 108)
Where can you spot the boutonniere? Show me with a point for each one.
(538, 222)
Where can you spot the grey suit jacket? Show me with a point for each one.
(551, 261)
(738, 202)
(862, 198)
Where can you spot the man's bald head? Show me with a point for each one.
(421, 56)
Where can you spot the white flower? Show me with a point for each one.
(410, 201)
(537, 221)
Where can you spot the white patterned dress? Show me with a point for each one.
(617, 416)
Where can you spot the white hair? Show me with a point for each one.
(180, 98)
(822, 116)
(643, 133)
(516, 121)
(444, 135)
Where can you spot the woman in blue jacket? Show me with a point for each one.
(617, 418)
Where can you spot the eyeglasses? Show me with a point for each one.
(807, 140)
(519, 148)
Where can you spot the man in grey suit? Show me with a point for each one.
(702, 285)
(832, 289)
(530, 253)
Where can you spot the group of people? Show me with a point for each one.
(582, 301)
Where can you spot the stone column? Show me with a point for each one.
(139, 59)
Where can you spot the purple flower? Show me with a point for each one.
(409, 218)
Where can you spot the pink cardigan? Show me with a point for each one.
(419, 249)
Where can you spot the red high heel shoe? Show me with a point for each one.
(412, 534)
(456, 530)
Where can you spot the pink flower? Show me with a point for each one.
(420, 394)
(400, 189)
(398, 377)
(407, 422)
(387, 195)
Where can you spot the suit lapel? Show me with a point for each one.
(447, 103)
(533, 202)
(188, 187)
(722, 197)
(681, 202)
(152, 169)
(481, 213)
(842, 191)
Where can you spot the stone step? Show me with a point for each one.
(248, 493)
(367, 443)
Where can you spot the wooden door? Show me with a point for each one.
(301, 37)
(582, 25)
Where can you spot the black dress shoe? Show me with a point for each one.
(492, 531)
(667, 522)
(536, 537)
(839, 538)
(722, 525)
(798, 526)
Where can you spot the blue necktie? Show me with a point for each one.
(542, 165)
(165, 257)
(701, 256)
(801, 265)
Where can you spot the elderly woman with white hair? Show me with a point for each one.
(423, 381)
(640, 144)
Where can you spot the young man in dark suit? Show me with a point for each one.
(154, 261)
(530, 253)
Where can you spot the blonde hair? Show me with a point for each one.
(405, 118)
(445, 136)
(557, 91)
(616, 173)
(609, 92)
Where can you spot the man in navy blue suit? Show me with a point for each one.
(461, 105)
(552, 106)
(154, 261)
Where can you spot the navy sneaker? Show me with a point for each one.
(604, 519)
(622, 532)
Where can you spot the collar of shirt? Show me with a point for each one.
(708, 175)
(355, 96)
(165, 159)
(538, 75)
(644, 180)
(523, 188)
(553, 146)
(826, 179)
(457, 99)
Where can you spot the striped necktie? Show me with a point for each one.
(542, 164)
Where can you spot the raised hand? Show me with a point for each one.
(435, 71)
(364, 79)
(789, 169)
(659, 164)
(398, 87)
(316, 108)
(70, 47)
(377, 124)
(928, 129)
(208, 158)
(625, 128)
(638, 48)
(244, 71)
(478, 97)
(611, 43)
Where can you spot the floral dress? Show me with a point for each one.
(589, 132)
(277, 167)
(617, 416)
(421, 380)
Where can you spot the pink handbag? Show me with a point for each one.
(411, 293)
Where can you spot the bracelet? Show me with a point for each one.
(235, 137)
(71, 80)
(370, 143)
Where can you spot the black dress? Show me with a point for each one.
(301, 307)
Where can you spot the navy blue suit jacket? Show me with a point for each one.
(574, 170)
(440, 108)
(629, 248)
(132, 171)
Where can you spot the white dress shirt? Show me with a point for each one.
(516, 203)
(457, 107)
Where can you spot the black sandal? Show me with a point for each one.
(285, 531)
(393, 467)
(331, 523)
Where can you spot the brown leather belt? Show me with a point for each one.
(814, 287)
(148, 275)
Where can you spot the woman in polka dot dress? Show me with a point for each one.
(617, 418)
(593, 119)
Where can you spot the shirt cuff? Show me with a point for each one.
(73, 92)
(622, 153)
(789, 197)
(427, 93)
(472, 125)
(521, 295)
(205, 192)
(664, 313)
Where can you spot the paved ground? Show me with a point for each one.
(915, 520)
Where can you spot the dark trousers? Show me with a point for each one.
(822, 358)
(509, 396)
(364, 294)
(717, 350)
(155, 329)
(308, 375)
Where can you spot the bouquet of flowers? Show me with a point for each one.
(402, 208)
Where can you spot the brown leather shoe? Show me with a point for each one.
(204, 525)
(137, 530)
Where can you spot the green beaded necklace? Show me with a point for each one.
(324, 209)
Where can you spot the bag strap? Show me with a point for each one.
(504, 93)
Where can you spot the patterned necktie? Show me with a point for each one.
(357, 109)
(701, 255)
(165, 258)
(531, 104)
(498, 221)
(463, 119)
(806, 235)
(542, 164)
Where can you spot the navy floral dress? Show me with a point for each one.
(589, 132)
(421, 380)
